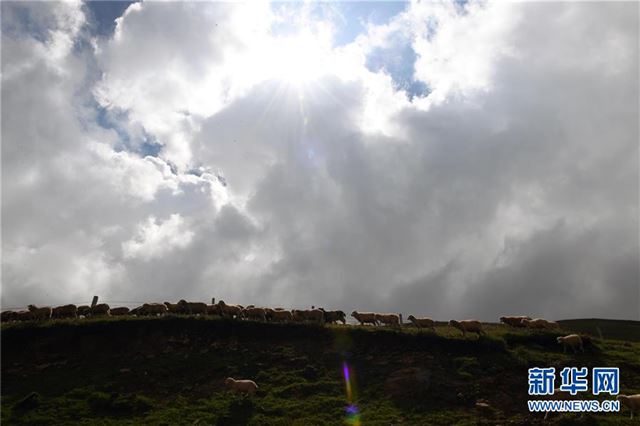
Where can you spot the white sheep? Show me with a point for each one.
(468, 326)
(423, 322)
(241, 386)
(632, 402)
(365, 317)
(574, 341)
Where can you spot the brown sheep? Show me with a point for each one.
(116, 312)
(423, 322)
(241, 386)
(630, 401)
(365, 317)
(258, 314)
(24, 316)
(213, 310)
(311, 315)
(280, 315)
(193, 308)
(100, 309)
(229, 311)
(153, 309)
(468, 326)
(539, 323)
(332, 317)
(84, 310)
(514, 321)
(43, 313)
(393, 320)
(175, 308)
(7, 316)
(65, 311)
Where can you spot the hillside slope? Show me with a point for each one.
(171, 371)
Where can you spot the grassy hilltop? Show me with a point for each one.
(170, 371)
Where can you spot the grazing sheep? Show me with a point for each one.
(135, 311)
(539, 323)
(193, 308)
(7, 316)
(43, 313)
(514, 321)
(84, 310)
(153, 309)
(100, 309)
(229, 311)
(393, 320)
(423, 322)
(24, 316)
(241, 386)
(257, 314)
(574, 341)
(468, 326)
(119, 311)
(332, 317)
(365, 317)
(280, 315)
(632, 402)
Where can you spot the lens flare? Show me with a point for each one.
(352, 413)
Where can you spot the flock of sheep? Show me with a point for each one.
(313, 315)
(251, 312)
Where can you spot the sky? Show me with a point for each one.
(441, 159)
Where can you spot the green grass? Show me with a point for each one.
(171, 371)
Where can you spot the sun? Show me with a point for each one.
(300, 60)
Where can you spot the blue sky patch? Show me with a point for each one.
(103, 14)
(398, 61)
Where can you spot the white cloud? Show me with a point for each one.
(155, 239)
